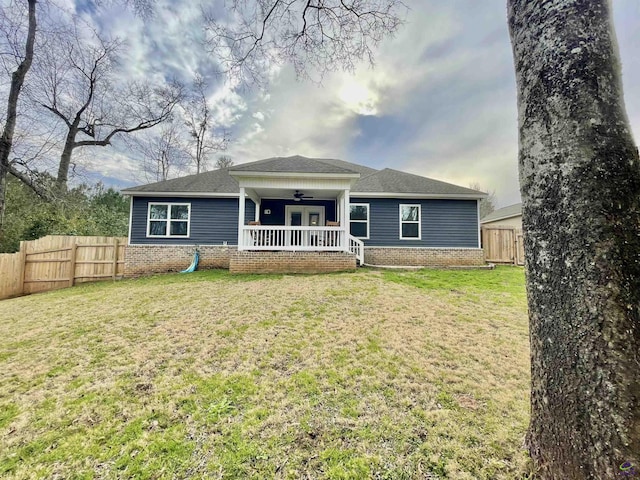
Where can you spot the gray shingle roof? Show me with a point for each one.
(361, 169)
(504, 212)
(371, 180)
(394, 181)
(215, 181)
(296, 163)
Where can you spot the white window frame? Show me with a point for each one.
(419, 221)
(168, 220)
(360, 221)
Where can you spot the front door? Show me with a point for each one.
(304, 216)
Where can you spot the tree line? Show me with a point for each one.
(82, 210)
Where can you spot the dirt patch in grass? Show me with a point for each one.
(359, 375)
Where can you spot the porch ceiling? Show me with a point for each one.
(287, 193)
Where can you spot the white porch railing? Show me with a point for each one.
(356, 246)
(319, 239)
(276, 237)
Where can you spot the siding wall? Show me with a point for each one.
(445, 223)
(213, 221)
(277, 207)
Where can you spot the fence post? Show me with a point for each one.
(72, 263)
(23, 265)
(115, 257)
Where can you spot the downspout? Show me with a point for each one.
(130, 218)
(479, 226)
(241, 206)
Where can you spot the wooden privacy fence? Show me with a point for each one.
(503, 245)
(58, 261)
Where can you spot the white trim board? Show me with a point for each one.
(417, 196)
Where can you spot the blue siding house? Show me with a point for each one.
(322, 210)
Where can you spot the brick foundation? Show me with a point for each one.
(147, 259)
(424, 257)
(291, 262)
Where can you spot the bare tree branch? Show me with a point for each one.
(52, 108)
(83, 89)
(201, 140)
(31, 180)
(107, 139)
(223, 161)
(312, 35)
(162, 151)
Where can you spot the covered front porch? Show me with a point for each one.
(296, 214)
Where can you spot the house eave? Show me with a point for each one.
(352, 194)
(430, 196)
(506, 217)
(181, 194)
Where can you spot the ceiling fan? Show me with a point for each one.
(298, 195)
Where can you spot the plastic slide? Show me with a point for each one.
(194, 264)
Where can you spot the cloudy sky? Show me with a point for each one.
(440, 101)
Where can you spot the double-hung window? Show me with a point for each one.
(359, 220)
(410, 222)
(168, 219)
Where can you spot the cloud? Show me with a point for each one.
(293, 118)
(358, 97)
(112, 162)
(452, 109)
(165, 46)
(440, 101)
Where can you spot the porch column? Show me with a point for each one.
(344, 221)
(241, 219)
(251, 193)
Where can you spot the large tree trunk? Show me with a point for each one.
(580, 185)
(65, 158)
(17, 80)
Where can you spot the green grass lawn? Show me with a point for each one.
(386, 375)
